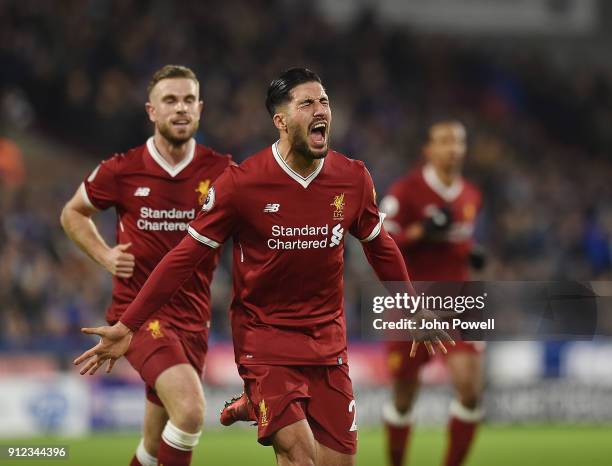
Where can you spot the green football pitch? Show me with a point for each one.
(495, 446)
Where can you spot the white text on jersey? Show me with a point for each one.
(158, 219)
(305, 237)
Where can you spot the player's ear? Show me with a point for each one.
(200, 106)
(280, 121)
(150, 111)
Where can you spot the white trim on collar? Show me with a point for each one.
(171, 170)
(448, 193)
(304, 181)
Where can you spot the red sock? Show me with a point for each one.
(170, 456)
(397, 440)
(397, 429)
(461, 429)
(135, 461)
(176, 446)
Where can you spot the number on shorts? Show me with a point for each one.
(353, 409)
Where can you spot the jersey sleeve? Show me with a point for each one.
(99, 189)
(169, 275)
(219, 215)
(399, 212)
(369, 222)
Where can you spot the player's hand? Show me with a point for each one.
(438, 221)
(119, 262)
(430, 338)
(114, 342)
(478, 257)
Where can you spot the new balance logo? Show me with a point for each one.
(271, 207)
(143, 191)
(337, 234)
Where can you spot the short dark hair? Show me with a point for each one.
(280, 89)
(435, 120)
(169, 72)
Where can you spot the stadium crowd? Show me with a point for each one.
(539, 141)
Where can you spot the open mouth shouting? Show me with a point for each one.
(317, 134)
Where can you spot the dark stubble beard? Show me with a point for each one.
(166, 131)
(300, 146)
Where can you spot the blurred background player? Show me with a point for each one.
(157, 189)
(431, 213)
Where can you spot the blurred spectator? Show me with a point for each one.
(12, 171)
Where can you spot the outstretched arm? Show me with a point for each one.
(169, 275)
(388, 263)
(386, 259)
(218, 219)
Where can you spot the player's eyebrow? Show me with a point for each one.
(176, 97)
(313, 99)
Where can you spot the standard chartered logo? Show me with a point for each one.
(305, 237)
(161, 219)
(337, 234)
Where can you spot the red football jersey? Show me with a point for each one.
(411, 199)
(155, 203)
(288, 236)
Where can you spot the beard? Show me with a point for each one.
(300, 145)
(170, 135)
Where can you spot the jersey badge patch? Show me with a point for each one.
(155, 328)
(263, 414)
(210, 200)
(202, 189)
(338, 205)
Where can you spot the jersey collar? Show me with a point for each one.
(448, 193)
(304, 181)
(171, 170)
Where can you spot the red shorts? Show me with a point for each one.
(323, 395)
(403, 367)
(158, 345)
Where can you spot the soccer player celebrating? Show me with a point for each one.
(430, 214)
(157, 189)
(287, 208)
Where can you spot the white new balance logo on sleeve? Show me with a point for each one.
(271, 208)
